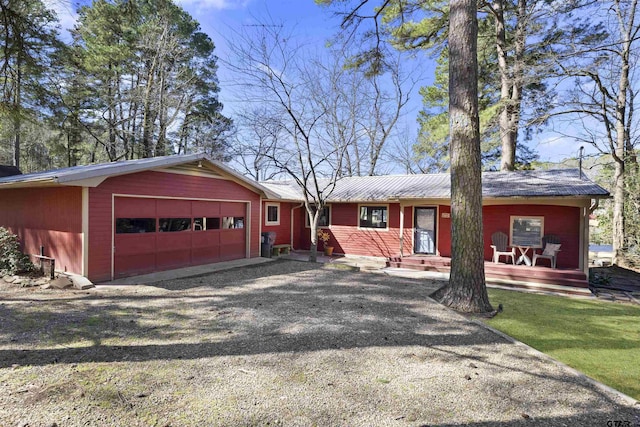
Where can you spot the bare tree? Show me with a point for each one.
(602, 99)
(274, 72)
(255, 143)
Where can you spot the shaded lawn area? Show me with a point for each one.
(600, 339)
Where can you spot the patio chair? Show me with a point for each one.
(499, 245)
(551, 245)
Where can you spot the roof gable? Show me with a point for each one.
(94, 175)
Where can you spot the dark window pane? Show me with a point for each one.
(135, 225)
(213, 223)
(175, 224)
(198, 224)
(272, 213)
(323, 219)
(373, 216)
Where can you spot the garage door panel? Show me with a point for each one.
(172, 241)
(206, 238)
(127, 207)
(205, 209)
(131, 244)
(233, 209)
(174, 208)
(206, 255)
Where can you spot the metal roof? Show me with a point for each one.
(93, 175)
(538, 183)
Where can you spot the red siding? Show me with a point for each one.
(49, 217)
(283, 231)
(346, 238)
(563, 221)
(158, 184)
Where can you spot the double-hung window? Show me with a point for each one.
(272, 214)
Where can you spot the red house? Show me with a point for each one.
(125, 218)
(397, 217)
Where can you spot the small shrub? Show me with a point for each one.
(12, 260)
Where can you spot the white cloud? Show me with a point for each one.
(66, 13)
(214, 4)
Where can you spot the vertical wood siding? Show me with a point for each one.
(49, 217)
(158, 184)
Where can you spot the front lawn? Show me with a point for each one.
(600, 339)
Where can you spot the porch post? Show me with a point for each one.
(401, 229)
(584, 244)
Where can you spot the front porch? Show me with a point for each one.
(518, 276)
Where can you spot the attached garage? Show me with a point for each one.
(139, 216)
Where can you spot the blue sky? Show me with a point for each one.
(219, 18)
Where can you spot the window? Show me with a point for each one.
(135, 225)
(324, 219)
(373, 217)
(527, 231)
(213, 223)
(175, 224)
(229, 222)
(206, 224)
(272, 214)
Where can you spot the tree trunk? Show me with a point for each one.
(466, 290)
(618, 231)
(313, 229)
(17, 110)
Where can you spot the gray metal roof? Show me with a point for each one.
(92, 175)
(539, 183)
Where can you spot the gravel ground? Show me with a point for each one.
(286, 343)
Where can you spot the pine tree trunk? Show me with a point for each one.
(466, 290)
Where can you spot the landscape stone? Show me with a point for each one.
(61, 282)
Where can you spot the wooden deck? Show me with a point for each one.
(539, 277)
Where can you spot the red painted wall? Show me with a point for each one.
(283, 231)
(563, 221)
(159, 184)
(49, 217)
(346, 238)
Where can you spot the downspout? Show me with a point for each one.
(291, 234)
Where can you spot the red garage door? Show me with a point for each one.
(161, 234)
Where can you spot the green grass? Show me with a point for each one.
(600, 339)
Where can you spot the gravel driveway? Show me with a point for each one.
(285, 343)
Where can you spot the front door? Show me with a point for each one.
(425, 231)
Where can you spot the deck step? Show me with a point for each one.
(500, 272)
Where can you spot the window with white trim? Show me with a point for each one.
(373, 217)
(272, 214)
(526, 231)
